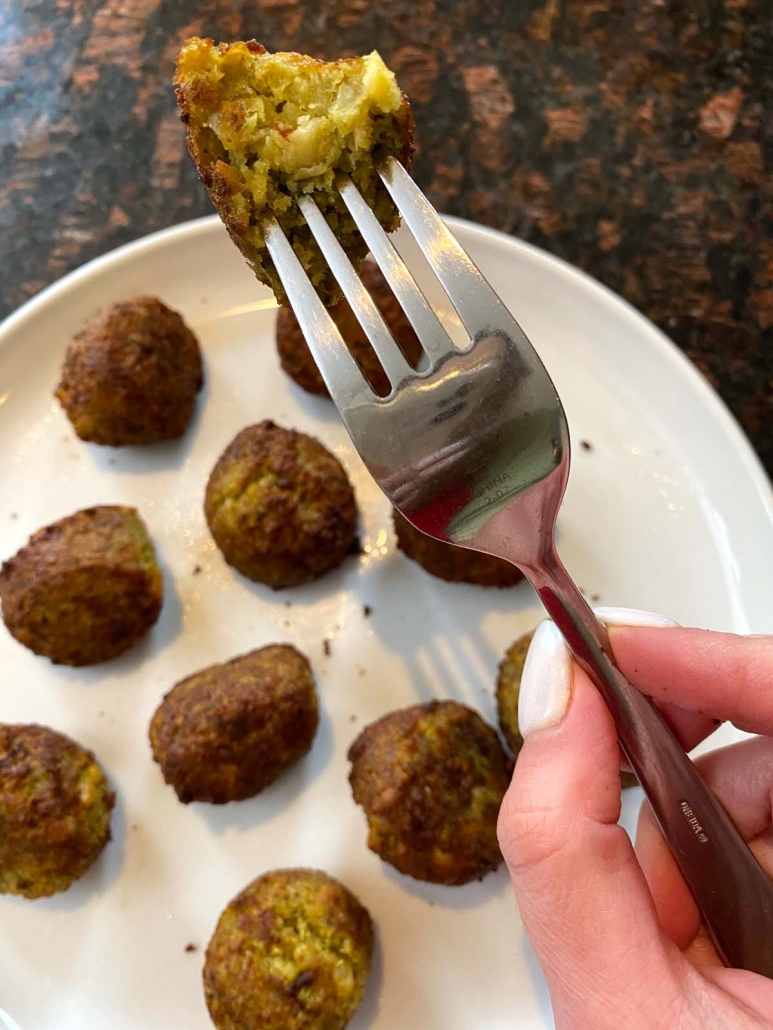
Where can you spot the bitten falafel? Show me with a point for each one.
(431, 779)
(508, 693)
(85, 588)
(55, 806)
(228, 731)
(264, 129)
(451, 563)
(280, 506)
(295, 356)
(131, 375)
(291, 952)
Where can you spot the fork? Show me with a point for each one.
(473, 449)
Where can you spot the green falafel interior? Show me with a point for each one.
(265, 128)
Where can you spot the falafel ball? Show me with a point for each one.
(228, 731)
(55, 806)
(265, 129)
(508, 692)
(291, 952)
(131, 375)
(296, 358)
(85, 588)
(451, 563)
(431, 779)
(280, 506)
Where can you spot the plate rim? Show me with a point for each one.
(668, 350)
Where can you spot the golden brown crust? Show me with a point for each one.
(85, 588)
(431, 779)
(227, 732)
(291, 952)
(280, 506)
(55, 806)
(451, 563)
(131, 375)
(295, 356)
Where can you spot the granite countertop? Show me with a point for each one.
(633, 138)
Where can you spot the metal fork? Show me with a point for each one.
(474, 450)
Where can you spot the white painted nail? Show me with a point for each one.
(546, 684)
(633, 617)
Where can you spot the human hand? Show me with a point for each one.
(616, 930)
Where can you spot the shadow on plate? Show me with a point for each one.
(102, 875)
(454, 660)
(538, 979)
(471, 895)
(247, 815)
(368, 1011)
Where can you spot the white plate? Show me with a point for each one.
(669, 511)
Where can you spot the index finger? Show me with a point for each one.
(722, 675)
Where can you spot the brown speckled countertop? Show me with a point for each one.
(632, 137)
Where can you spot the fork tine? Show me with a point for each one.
(428, 327)
(475, 301)
(389, 354)
(341, 373)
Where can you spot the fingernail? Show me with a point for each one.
(633, 617)
(546, 684)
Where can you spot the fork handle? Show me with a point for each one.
(731, 889)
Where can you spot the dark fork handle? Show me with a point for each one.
(730, 887)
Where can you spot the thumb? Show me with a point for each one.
(581, 893)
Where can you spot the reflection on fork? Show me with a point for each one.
(473, 448)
